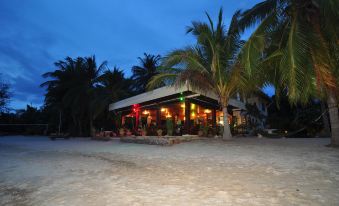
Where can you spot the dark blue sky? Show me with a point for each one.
(36, 33)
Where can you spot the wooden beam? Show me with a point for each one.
(214, 118)
(187, 116)
(158, 117)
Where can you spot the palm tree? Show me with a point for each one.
(72, 89)
(112, 85)
(209, 66)
(295, 45)
(145, 71)
(57, 86)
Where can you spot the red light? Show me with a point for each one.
(136, 108)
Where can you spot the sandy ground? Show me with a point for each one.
(245, 171)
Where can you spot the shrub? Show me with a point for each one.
(169, 126)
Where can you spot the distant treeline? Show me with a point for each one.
(78, 93)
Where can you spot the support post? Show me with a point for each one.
(158, 117)
(137, 119)
(214, 118)
(187, 116)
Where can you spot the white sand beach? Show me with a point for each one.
(245, 171)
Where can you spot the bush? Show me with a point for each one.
(169, 126)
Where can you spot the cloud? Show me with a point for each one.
(23, 57)
(36, 33)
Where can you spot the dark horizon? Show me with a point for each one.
(36, 34)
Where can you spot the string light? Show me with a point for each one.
(136, 108)
(192, 106)
(207, 111)
(193, 114)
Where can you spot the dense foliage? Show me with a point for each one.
(79, 92)
(295, 47)
(295, 44)
(29, 121)
(298, 120)
(4, 95)
(143, 72)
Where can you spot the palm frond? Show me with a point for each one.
(295, 65)
(159, 79)
(257, 13)
(252, 51)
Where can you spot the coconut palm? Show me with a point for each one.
(145, 71)
(57, 86)
(296, 45)
(209, 66)
(86, 89)
(72, 87)
(112, 85)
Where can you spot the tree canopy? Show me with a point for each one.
(4, 95)
(81, 90)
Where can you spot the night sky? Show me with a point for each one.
(36, 33)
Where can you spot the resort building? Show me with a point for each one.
(187, 109)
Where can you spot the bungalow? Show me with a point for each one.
(186, 108)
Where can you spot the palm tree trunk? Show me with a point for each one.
(91, 127)
(80, 128)
(60, 122)
(334, 118)
(326, 123)
(74, 126)
(227, 132)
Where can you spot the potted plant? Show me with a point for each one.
(128, 132)
(143, 131)
(205, 131)
(122, 132)
(169, 127)
(159, 132)
(201, 131)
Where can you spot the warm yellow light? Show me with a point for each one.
(162, 109)
(182, 105)
(145, 112)
(168, 115)
(193, 114)
(192, 106)
(207, 111)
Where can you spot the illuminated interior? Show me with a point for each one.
(198, 115)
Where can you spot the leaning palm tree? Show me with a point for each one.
(209, 66)
(145, 71)
(296, 45)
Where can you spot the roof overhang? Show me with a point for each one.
(169, 91)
